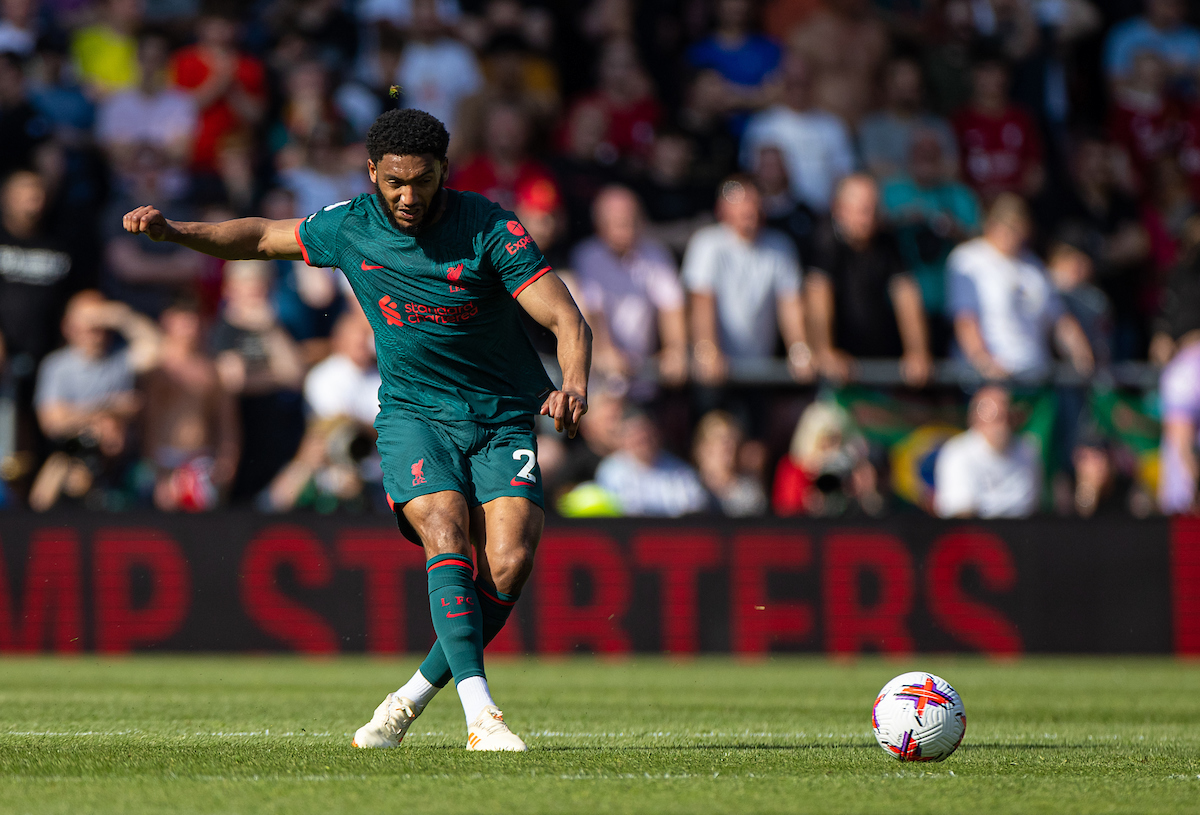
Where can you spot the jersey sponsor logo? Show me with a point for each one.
(367, 268)
(418, 473)
(443, 315)
(388, 307)
(516, 228)
(517, 246)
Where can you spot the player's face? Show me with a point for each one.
(408, 188)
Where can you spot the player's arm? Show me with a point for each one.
(548, 302)
(239, 239)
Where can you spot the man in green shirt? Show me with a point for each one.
(440, 275)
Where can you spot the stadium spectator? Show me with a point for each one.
(1101, 488)
(744, 58)
(781, 210)
(191, 437)
(338, 452)
(227, 86)
(259, 363)
(947, 59)
(583, 167)
(646, 480)
(105, 51)
(999, 143)
(516, 75)
(22, 128)
(19, 26)
(988, 471)
(319, 171)
(38, 270)
(827, 471)
(150, 114)
(1003, 306)
(1162, 30)
(1177, 342)
(816, 143)
(862, 301)
(744, 283)
(436, 71)
(506, 165)
(55, 92)
(85, 397)
(715, 448)
(568, 463)
(931, 213)
(701, 117)
(846, 44)
(885, 137)
(624, 96)
(1112, 230)
(1071, 272)
(630, 295)
(675, 204)
(1145, 121)
(148, 276)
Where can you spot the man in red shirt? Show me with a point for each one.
(229, 88)
(1001, 150)
(505, 167)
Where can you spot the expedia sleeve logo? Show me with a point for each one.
(524, 240)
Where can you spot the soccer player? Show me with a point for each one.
(440, 274)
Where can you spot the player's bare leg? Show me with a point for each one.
(505, 534)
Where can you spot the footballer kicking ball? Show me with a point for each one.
(918, 717)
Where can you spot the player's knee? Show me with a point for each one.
(444, 538)
(511, 568)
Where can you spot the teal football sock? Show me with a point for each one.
(496, 606)
(457, 618)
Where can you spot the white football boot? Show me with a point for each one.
(489, 732)
(389, 724)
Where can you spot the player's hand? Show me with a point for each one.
(566, 408)
(148, 221)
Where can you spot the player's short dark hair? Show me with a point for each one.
(407, 132)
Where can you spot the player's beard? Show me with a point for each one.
(426, 219)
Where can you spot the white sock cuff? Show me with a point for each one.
(419, 690)
(475, 696)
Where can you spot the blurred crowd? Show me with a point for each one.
(730, 188)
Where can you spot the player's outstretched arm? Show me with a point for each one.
(239, 239)
(548, 301)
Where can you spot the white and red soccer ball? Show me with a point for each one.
(918, 717)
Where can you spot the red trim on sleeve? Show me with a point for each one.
(303, 251)
(525, 285)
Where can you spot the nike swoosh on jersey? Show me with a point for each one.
(367, 268)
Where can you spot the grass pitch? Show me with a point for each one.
(267, 735)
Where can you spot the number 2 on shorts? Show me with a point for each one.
(526, 472)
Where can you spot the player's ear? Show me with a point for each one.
(371, 171)
(445, 169)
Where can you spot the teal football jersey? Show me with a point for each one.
(443, 304)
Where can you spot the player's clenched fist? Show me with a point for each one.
(148, 221)
(566, 408)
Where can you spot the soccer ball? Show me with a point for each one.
(918, 717)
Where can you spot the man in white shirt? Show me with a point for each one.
(436, 72)
(646, 480)
(346, 383)
(816, 145)
(630, 291)
(987, 472)
(744, 283)
(1003, 305)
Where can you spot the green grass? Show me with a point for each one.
(265, 735)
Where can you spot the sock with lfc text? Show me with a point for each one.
(457, 619)
(496, 606)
